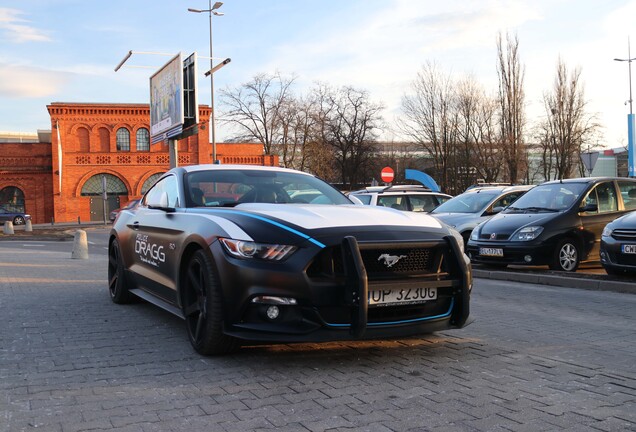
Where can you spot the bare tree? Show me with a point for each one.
(257, 108)
(567, 126)
(511, 105)
(348, 122)
(428, 119)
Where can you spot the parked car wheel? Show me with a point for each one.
(116, 284)
(567, 256)
(18, 220)
(203, 309)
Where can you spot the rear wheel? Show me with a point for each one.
(116, 282)
(18, 220)
(203, 308)
(567, 256)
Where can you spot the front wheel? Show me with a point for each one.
(203, 308)
(567, 256)
(18, 220)
(116, 281)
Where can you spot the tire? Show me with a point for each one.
(613, 272)
(203, 309)
(18, 220)
(567, 256)
(116, 280)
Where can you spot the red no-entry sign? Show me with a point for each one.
(387, 174)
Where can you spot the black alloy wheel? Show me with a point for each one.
(202, 308)
(116, 282)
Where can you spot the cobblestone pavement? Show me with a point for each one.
(537, 358)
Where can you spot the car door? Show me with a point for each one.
(604, 196)
(157, 232)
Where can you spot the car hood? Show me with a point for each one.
(508, 223)
(456, 219)
(315, 216)
(626, 221)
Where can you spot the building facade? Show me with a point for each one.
(96, 157)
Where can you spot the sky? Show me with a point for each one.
(67, 50)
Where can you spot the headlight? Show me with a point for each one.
(474, 235)
(249, 249)
(527, 233)
(607, 231)
(458, 237)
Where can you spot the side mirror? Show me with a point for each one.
(160, 202)
(589, 208)
(497, 209)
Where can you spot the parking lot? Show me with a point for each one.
(537, 357)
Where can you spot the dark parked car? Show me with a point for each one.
(17, 218)
(558, 223)
(130, 204)
(618, 244)
(226, 248)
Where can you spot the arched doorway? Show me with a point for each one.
(104, 191)
(12, 199)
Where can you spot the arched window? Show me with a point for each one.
(149, 182)
(143, 139)
(123, 139)
(94, 186)
(84, 140)
(12, 199)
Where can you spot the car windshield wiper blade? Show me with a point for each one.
(538, 209)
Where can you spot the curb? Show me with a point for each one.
(581, 282)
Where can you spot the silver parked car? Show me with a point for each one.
(467, 210)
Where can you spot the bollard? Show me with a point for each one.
(28, 227)
(80, 245)
(8, 228)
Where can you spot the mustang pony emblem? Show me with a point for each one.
(390, 260)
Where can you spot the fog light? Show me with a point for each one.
(527, 258)
(273, 312)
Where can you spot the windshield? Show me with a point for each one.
(472, 202)
(549, 197)
(228, 188)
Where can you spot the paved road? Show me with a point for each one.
(537, 358)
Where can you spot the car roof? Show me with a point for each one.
(220, 167)
(500, 189)
(587, 180)
(395, 188)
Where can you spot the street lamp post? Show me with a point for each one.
(212, 10)
(630, 117)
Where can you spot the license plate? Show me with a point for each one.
(497, 252)
(628, 249)
(401, 296)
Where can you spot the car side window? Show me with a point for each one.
(628, 192)
(506, 200)
(606, 196)
(423, 203)
(396, 202)
(167, 185)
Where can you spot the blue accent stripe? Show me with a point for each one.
(279, 225)
(444, 315)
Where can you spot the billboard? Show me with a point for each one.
(190, 103)
(166, 101)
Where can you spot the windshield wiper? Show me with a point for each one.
(538, 209)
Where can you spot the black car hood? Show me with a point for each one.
(504, 224)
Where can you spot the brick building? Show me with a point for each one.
(59, 175)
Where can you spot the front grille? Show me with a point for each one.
(379, 262)
(624, 234)
(495, 237)
(383, 263)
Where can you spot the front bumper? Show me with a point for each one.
(613, 258)
(332, 307)
(539, 253)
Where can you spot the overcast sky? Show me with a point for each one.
(66, 50)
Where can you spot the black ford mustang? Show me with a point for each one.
(239, 253)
